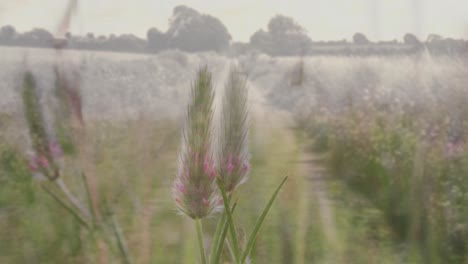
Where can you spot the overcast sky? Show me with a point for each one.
(323, 19)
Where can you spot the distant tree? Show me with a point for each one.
(157, 40)
(281, 25)
(360, 39)
(95, 43)
(191, 31)
(7, 33)
(434, 37)
(37, 37)
(240, 48)
(263, 41)
(41, 35)
(410, 39)
(125, 42)
(284, 37)
(112, 36)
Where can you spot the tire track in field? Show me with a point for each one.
(314, 172)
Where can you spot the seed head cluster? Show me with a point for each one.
(233, 153)
(194, 189)
(45, 150)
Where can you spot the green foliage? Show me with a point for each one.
(34, 229)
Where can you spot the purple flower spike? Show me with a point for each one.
(33, 164)
(229, 166)
(195, 191)
(43, 162)
(207, 166)
(233, 140)
(181, 188)
(55, 149)
(245, 168)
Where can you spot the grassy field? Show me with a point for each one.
(135, 178)
(366, 184)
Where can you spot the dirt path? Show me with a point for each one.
(314, 184)
(340, 224)
(316, 175)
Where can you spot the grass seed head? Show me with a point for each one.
(194, 190)
(234, 155)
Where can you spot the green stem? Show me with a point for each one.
(200, 240)
(232, 228)
(220, 244)
(230, 250)
(89, 197)
(123, 248)
(218, 232)
(65, 205)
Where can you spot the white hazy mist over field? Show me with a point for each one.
(323, 19)
(119, 85)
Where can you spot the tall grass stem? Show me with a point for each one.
(200, 240)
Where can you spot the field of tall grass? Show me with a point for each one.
(373, 147)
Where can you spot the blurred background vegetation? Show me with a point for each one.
(371, 134)
(375, 155)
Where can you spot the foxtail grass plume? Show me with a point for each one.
(46, 151)
(194, 190)
(234, 154)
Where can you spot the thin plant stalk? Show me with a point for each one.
(200, 240)
(232, 227)
(231, 251)
(63, 187)
(66, 206)
(214, 246)
(88, 196)
(123, 248)
(219, 246)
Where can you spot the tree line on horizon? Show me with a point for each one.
(192, 31)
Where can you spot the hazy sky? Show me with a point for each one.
(323, 19)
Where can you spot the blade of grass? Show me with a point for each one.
(66, 206)
(121, 240)
(105, 229)
(220, 244)
(73, 200)
(88, 196)
(259, 223)
(232, 227)
(200, 240)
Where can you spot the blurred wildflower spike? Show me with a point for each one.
(234, 156)
(44, 150)
(68, 114)
(33, 113)
(195, 189)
